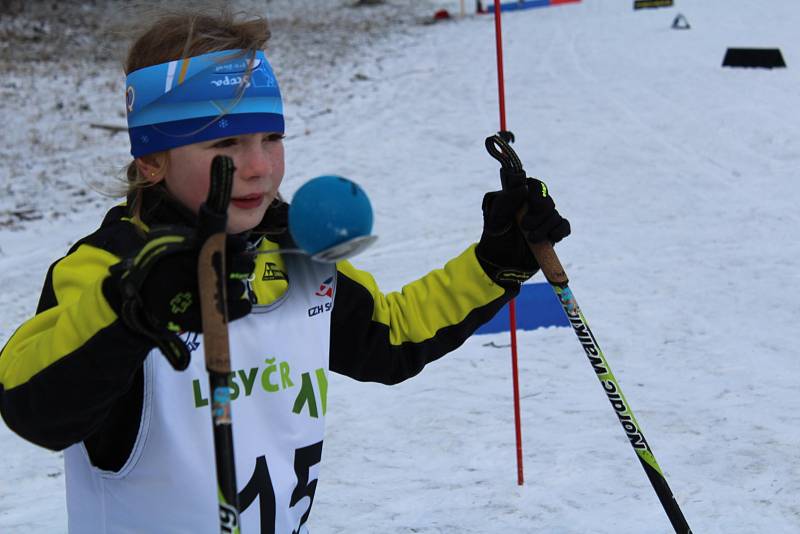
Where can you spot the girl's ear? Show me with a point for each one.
(153, 167)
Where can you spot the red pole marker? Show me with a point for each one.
(512, 308)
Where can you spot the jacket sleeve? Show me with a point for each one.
(389, 338)
(62, 370)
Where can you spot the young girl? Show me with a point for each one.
(88, 374)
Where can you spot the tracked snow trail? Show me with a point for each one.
(677, 176)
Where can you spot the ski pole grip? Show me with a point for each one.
(549, 263)
(211, 266)
(546, 258)
(213, 307)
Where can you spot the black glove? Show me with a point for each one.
(503, 251)
(541, 220)
(155, 292)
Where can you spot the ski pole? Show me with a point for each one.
(212, 276)
(511, 174)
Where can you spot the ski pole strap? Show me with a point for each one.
(499, 149)
(511, 172)
(219, 194)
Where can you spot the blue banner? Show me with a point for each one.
(537, 307)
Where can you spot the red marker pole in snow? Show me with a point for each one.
(512, 308)
(501, 89)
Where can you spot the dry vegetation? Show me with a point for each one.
(61, 64)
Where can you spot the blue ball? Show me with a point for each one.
(327, 211)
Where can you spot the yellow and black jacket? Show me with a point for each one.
(73, 372)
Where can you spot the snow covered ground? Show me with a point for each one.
(679, 178)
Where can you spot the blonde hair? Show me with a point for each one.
(175, 35)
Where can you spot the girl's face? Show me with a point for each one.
(259, 171)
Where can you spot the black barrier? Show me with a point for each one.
(680, 23)
(649, 4)
(765, 58)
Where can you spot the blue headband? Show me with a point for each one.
(200, 98)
